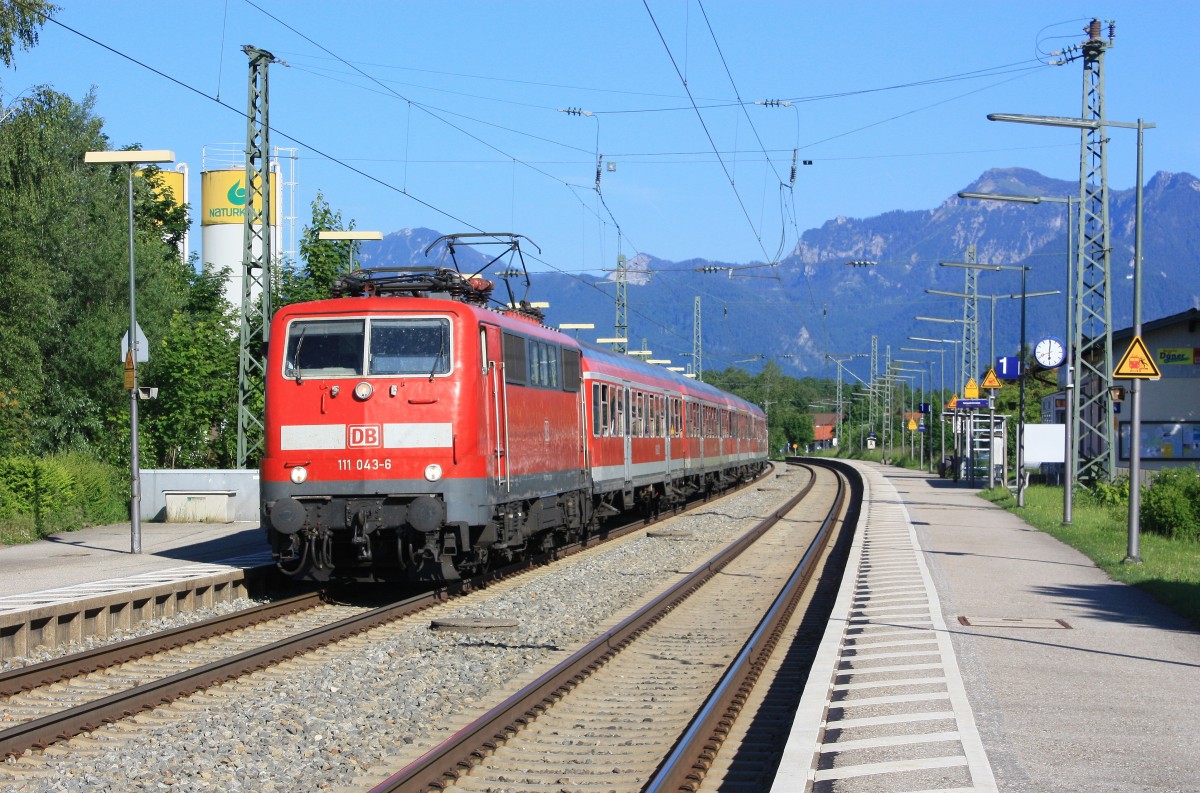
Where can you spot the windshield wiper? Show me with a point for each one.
(296, 360)
(441, 352)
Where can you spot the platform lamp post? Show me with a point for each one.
(942, 370)
(352, 236)
(910, 401)
(959, 381)
(1023, 269)
(1071, 454)
(1086, 125)
(129, 159)
(941, 392)
(577, 326)
(992, 341)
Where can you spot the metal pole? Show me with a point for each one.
(1069, 463)
(1021, 417)
(1135, 420)
(942, 396)
(992, 437)
(135, 485)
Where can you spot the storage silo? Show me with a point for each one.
(222, 221)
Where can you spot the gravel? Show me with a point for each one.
(319, 722)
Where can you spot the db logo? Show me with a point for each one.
(364, 435)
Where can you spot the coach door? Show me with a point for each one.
(677, 444)
(495, 420)
(623, 422)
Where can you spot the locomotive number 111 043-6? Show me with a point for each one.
(364, 464)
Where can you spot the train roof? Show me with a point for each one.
(618, 363)
(610, 362)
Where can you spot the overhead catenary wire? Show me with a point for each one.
(707, 133)
(420, 106)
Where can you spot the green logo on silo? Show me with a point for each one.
(236, 194)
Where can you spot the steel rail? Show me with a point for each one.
(33, 676)
(88, 716)
(445, 763)
(688, 762)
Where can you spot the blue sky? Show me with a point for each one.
(446, 114)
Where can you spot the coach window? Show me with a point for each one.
(514, 359)
(597, 410)
(570, 370)
(550, 366)
(621, 429)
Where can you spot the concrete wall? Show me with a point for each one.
(243, 482)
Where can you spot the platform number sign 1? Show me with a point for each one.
(1008, 367)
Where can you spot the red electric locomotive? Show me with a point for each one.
(414, 433)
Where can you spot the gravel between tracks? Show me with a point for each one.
(321, 721)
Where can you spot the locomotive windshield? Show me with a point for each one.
(340, 348)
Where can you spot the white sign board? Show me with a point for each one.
(1044, 443)
(143, 346)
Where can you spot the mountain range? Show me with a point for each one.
(816, 302)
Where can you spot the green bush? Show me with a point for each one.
(1171, 504)
(102, 490)
(41, 496)
(1115, 495)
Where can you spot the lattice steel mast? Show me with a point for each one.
(621, 327)
(256, 262)
(1093, 305)
(970, 332)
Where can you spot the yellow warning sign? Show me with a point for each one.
(972, 389)
(990, 380)
(912, 425)
(953, 403)
(130, 372)
(1137, 363)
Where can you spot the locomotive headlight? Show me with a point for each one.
(299, 475)
(433, 472)
(363, 390)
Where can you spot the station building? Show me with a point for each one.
(1170, 420)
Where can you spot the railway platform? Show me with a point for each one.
(86, 582)
(969, 651)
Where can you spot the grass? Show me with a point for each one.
(1170, 569)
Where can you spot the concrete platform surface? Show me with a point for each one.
(1111, 703)
(103, 552)
(1060, 678)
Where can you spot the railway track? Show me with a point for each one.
(48, 702)
(647, 705)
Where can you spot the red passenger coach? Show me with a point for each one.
(655, 438)
(414, 433)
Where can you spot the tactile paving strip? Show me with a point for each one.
(894, 715)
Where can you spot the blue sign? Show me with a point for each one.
(1008, 367)
(920, 427)
(972, 404)
(871, 435)
(922, 407)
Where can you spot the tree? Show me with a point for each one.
(64, 279)
(19, 24)
(324, 260)
(193, 423)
